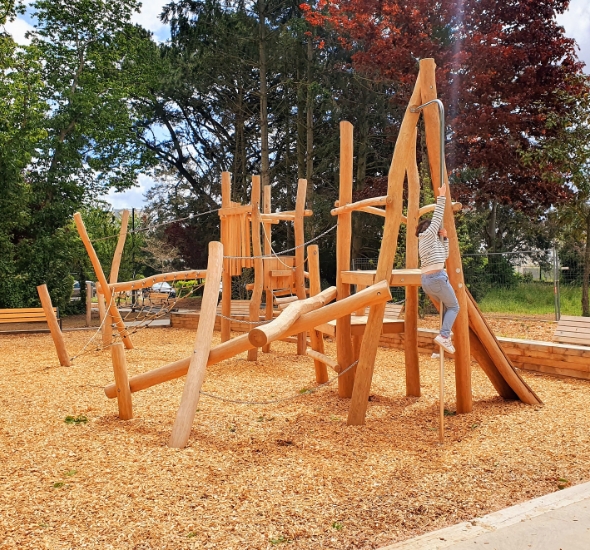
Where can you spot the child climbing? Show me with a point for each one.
(433, 253)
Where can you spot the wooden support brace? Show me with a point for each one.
(53, 323)
(324, 359)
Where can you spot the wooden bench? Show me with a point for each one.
(26, 315)
(573, 330)
(159, 298)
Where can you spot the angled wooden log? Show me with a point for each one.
(256, 298)
(275, 330)
(198, 362)
(393, 208)
(378, 293)
(344, 350)
(53, 324)
(105, 289)
(454, 263)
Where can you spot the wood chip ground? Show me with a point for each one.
(290, 475)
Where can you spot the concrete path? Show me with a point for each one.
(559, 521)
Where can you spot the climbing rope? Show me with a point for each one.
(282, 399)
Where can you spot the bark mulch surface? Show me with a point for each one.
(290, 475)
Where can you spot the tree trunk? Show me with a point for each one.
(239, 186)
(301, 172)
(309, 119)
(265, 176)
(491, 227)
(585, 306)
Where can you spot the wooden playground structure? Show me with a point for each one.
(246, 242)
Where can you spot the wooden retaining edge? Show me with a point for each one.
(531, 355)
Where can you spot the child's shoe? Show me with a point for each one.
(445, 343)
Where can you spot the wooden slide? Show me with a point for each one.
(487, 351)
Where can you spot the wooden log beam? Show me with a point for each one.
(198, 362)
(227, 271)
(454, 263)
(267, 226)
(53, 324)
(315, 287)
(359, 205)
(261, 336)
(299, 230)
(393, 208)
(256, 298)
(375, 294)
(122, 382)
(344, 349)
(88, 302)
(324, 359)
(105, 289)
(411, 357)
(160, 278)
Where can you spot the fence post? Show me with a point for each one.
(556, 274)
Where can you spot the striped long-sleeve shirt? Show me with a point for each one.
(432, 251)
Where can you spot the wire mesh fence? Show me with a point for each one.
(546, 283)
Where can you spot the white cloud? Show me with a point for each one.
(17, 30)
(132, 198)
(576, 21)
(149, 18)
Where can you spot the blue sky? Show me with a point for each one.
(576, 22)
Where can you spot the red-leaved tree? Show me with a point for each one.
(503, 69)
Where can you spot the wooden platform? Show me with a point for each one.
(240, 314)
(543, 357)
(358, 324)
(399, 277)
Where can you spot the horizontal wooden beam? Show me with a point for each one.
(347, 208)
(375, 294)
(162, 277)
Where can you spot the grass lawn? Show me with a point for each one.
(534, 298)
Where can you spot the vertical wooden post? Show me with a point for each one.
(393, 213)
(112, 308)
(225, 238)
(299, 230)
(52, 322)
(122, 382)
(198, 363)
(454, 264)
(315, 287)
(256, 299)
(344, 351)
(411, 311)
(88, 302)
(266, 199)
